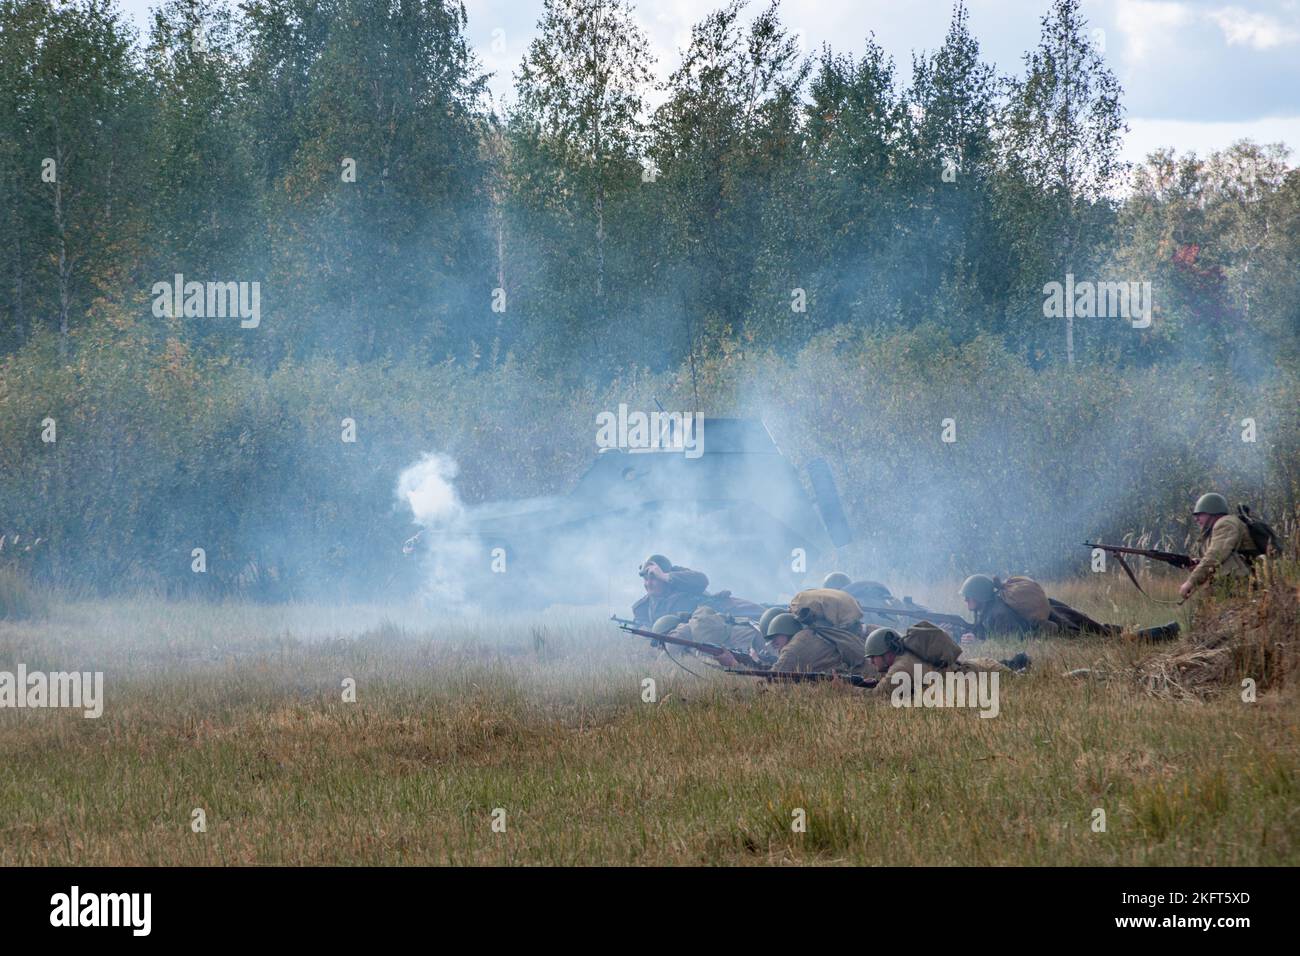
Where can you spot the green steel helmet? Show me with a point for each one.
(1211, 504)
(766, 619)
(883, 640)
(978, 588)
(873, 589)
(664, 564)
(666, 623)
(784, 623)
(837, 580)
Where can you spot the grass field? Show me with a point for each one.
(238, 710)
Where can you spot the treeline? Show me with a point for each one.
(853, 250)
(344, 155)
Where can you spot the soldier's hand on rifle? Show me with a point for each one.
(727, 659)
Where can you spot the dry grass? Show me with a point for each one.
(237, 710)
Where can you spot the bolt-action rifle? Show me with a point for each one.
(953, 621)
(713, 650)
(1184, 561)
(795, 677)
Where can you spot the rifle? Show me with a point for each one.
(795, 677)
(1186, 562)
(934, 617)
(748, 622)
(713, 650)
(1183, 561)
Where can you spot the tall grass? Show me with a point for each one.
(238, 710)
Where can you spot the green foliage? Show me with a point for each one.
(642, 253)
(162, 449)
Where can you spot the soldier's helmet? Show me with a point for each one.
(666, 623)
(784, 623)
(873, 589)
(766, 619)
(978, 588)
(883, 640)
(664, 564)
(1212, 503)
(837, 580)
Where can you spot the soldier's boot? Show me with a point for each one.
(1018, 663)
(1162, 632)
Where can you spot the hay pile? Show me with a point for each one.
(1232, 639)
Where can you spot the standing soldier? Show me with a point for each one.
(1226, 547)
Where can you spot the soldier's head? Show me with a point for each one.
(837, 580)
(1210, 507)
(781, 628)
(874, 590)
(978, 590)
(883, 646)
(766, 619)
(654, 573)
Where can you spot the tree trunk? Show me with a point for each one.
(65, 277)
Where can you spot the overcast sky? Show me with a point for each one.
(1197, 74)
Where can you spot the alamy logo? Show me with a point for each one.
(930, 688)
(657, 431)
(1102, 300)
(75, 689)
(209, 300)
(102, 909)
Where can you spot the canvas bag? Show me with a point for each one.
(1026, 597)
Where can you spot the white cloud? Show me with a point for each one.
(1148, 24)
(1258, 30)
(1147, 135)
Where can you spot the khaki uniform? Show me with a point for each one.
(1223, 551)
(906, 663)
(823, 650)
(997, 617)
(707, 626)
(685, 592)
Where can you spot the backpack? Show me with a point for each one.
(1026, 597)
(1265, 538)
(821, 606)
(932, 644)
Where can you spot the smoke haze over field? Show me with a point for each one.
(848, 247)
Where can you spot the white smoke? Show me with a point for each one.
(427, 489)
(449, 560)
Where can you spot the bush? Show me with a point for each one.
(160, 451)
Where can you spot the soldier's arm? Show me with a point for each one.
(797, 656)
(688, 581)
(885, 687)
(1223, 541)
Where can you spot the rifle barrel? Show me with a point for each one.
(932, 616)
(714, 650)
(799, 677)
(1169, 557)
